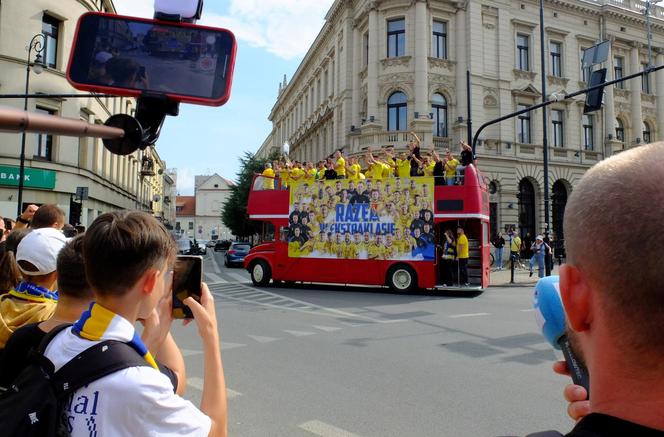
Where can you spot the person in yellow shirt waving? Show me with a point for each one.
(450, 167)
(462, 256)
(354, 170)
(340, 165)
(268, 179)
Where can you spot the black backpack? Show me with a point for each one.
(33, 405)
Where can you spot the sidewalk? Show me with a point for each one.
(501, 278)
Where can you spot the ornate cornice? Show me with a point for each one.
(555, 80)
(393, 62)
(523, 74)
(441, 63)
(620, 92)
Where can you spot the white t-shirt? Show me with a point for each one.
(137, 401)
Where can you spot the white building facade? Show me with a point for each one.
(210, 194)
(57, 165)
(379, 69)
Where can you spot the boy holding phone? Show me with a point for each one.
(129, 259)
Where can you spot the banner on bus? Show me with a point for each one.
(385, 219)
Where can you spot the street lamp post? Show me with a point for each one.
(545, 142)
(36, 44)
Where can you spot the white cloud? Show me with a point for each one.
(285, 28)
(185, 181)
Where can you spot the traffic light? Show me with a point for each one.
(594, 98)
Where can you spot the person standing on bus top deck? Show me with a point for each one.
(462, 255)
(467, 158)
(415, 157)
(339, 165)
(268, 179)
(403, 165)
(391, 163)
(354, 170)
(450, 166)
(498, 242)
(330, 173)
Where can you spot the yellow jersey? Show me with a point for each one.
(428, 170)
(403, 168)
(350, 251)
(340, 166)
(354, 172)
(296, 174)
(268, 180)
(388, 169)
(310, 176)
(374, 251)
(450, 168)
(462, 246)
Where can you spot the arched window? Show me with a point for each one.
(526, 197)
(439, 110)
(646, 132)
(620, 130)
(559, 201)
(397, 110)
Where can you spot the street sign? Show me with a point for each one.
(595, 55)
(32, 178)
(82, 193)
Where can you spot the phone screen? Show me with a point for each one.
(187, 278)
(127, 56)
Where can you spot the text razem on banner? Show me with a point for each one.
(386, 219)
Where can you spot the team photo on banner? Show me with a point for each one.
(386, 219)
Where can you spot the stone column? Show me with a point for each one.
(461, 109)
(635, 98)
(421, 59)
(372, 68)
(356, 48)
(659, 77)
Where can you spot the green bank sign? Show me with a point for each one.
(32, 177)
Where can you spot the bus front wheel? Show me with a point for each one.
(260, 273)
(402, 278)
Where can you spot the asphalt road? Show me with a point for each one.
(334, 361)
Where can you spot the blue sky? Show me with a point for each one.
(273, 36)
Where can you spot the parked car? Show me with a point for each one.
(198, 248)
(236, 253)
(184, 246)
(211, 243)
(221, 245)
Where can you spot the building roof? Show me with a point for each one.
(185, 206)
(202, 179)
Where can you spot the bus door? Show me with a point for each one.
(448, 269)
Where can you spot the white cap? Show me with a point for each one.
(40, 248)
(539, 237)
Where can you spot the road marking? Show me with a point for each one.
(198, 384)
(309, 308)
(226, 345)
(261, 339)
(215, 264)
(216, 279)
(299, 333)
(238, 277)
(189, 352)
(327, 328)
(458, 316)
(325, 430)
(529, 310)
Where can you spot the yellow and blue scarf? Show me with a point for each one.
(97, 321)
(34, 293)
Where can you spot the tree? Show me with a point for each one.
(234, 213)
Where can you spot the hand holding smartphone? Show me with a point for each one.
(187, 279)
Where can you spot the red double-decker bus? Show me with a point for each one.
(365, 233)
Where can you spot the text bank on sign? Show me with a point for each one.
(389, 219)
(33, 177)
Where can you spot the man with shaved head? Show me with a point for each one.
(612, 288)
